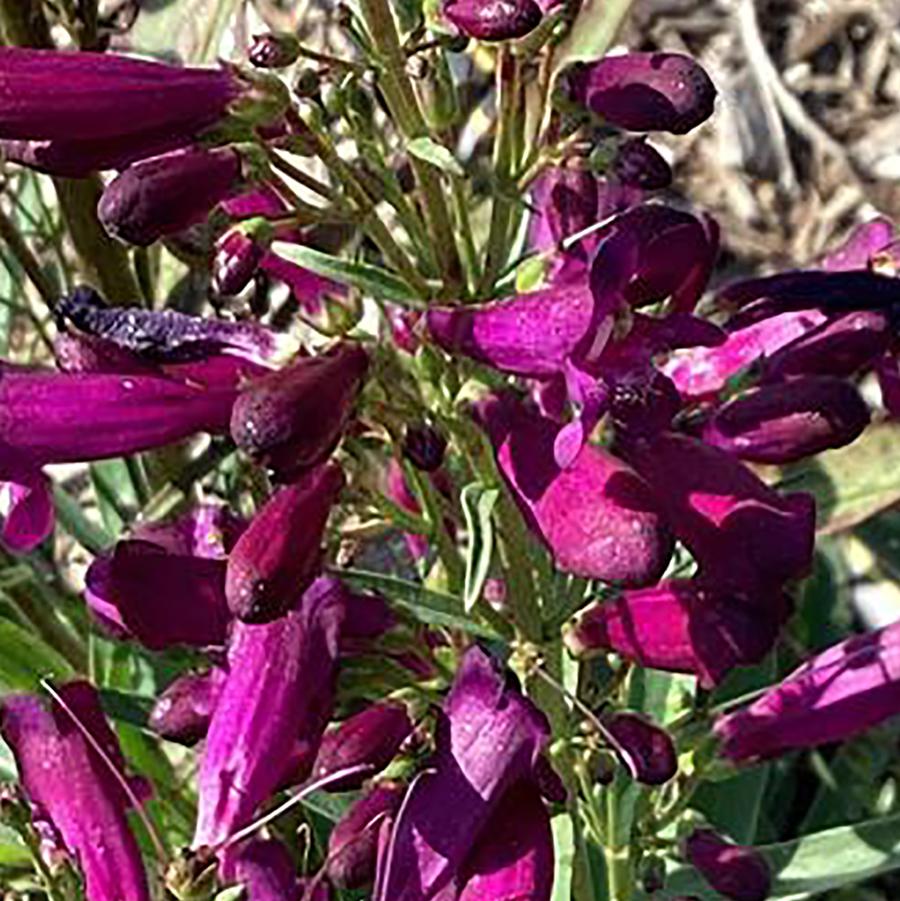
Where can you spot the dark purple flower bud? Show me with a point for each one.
(785, 422)
(70, 784)
(889, 382)
(645, 91)
(158, 335)
(353, 843)
(646, 750)
(700, 372)
(640, 165)
(50, 95)
(165, 194)
(860, 247)
(598, 517)
(839, 347)
(513, 857)
(183, 711)
(831, 292)
(235, 260)
(44, 412)
(489, 738)
(161, 599)
(840, 692)
(278, 691)
(652, 253)
(735, 871)
(292, 419)
(679, 626)
(266, 870)
(494, 20)
(274, 50)
(26, 507)
(371, 737)
(424, 447)
(744, 535)
(278, 556)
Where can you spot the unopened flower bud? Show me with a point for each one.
(646, 750)
(273, 50)
(494, 20)
(735, 871)
(371, 737)
(307, 83)
(640, 165)
(183, 711)
(424, 447)
(353, 843)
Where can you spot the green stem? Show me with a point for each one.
(504, 152)
(618, 856)
(464, 224)
(406, 112)
(28, 261)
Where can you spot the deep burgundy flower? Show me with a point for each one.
(494, 20)
(745, 536)
(278, 556)
(71, 786)
(353, 843)
(513, 858)
(165, 194)
(489, 738)
(640, 165)
(784, 422)
(835, 695)
(278, 692)
(597, 517)
(645, 91)
(266, 870)
(183, 711)
(424, 447)
(371, 737)
(682, 626)
(292, 419)
(738, 872)
(647, 750)
(235, 260)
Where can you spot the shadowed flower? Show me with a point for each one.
(26, 507)
(646, 750)
(840, 692)
(597, 517)
(183, 711)
(645, 91)
(679, 626)
(489, 737)
(781, 423)
(278, 692)
(71, 786)
(165, 194)
(494, 20)
(266, 870)
(292, 419)
(737, 872)
(640, 165)
(278, 556)
(745, 536)
(353, 843)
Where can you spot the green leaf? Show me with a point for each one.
(25, 660)
(430, 151)
(821, 862)
(433, 608)
(852, 483)
(478, 505)
(232, 893)
(593, 31)
(115, 493)
(371, 280)
(72, 518)
(13, 853)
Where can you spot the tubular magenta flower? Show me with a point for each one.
(266, 870)
(165, 194)
(746, 537)
(278, 556)
(371, 737)
(784, 422)
(278, 692)
(71, 786)
(645, 91)
(835, 695)
(681, 626)
(737, 872)
(861, 246)
(494, 20)
(489, 738)
(292, 419)
(597, 517)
